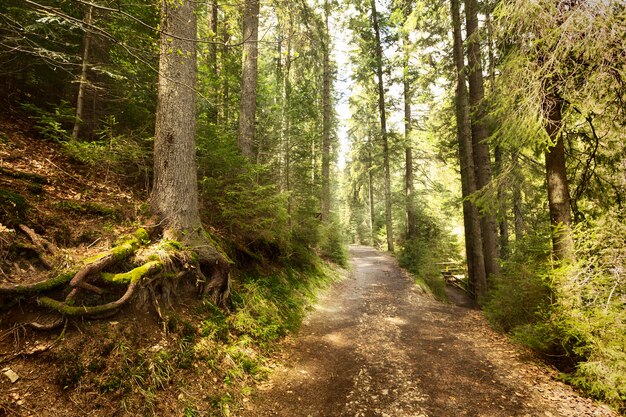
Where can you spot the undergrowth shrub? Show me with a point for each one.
(333, 246)
(575, 314)
(422, 254)
(520, 295)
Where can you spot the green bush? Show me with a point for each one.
(333, 246)
(421, 259)
(574, 312)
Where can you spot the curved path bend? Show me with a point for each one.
(375, 346)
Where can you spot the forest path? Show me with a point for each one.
(376, 346)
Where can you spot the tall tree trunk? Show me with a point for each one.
(84, 82)
(285, 123)
(174, 197)
(411, 221)
(383, 127)
(225, 104)
(326, 118)
(370, 188)
(482, 160)
(473, 238)
(249, 75)
(498, 152)
(212, 54)
(558, 186)
(503, 224)
(518, 213)
(175, 190)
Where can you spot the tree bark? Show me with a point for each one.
(370, 187)
(482, 160)
(326, 119)
(473, 238)
(225, 104)
(249, 75)
(285, 123)
(503, 224)
(175, 191)
(212, 53)
(556, 176)
(518, 213)
(83, 83)
(411, 221)
(383, 127)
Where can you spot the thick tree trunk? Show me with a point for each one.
(558, 186)
(326, 119)
(411, 221)
(249, 75)
(482, 160)
(83, 83)
(383, 127)
(473, 239)
(175, 191)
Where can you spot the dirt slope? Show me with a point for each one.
(376, 346)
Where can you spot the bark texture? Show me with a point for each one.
(383, 127)
(556, 176)
(249, 75)
(482, 159)
(473, 239)
(175, 190)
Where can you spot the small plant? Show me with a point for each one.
(52, 125)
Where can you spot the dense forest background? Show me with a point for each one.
(480, 133)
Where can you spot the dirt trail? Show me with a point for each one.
(376, 346)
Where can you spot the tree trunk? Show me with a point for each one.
(326, 119)
(285, 123)
(175, 190)
(174, 197)
(249, 74)
(473, 238)
(518, 213)
(383, 127)
(370, 187)
(482, 160)
(225, 104)
(411, 221)
(212, 53)
(503, 225)
(558, 186)
(83, 83)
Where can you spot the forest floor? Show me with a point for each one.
(377, 345)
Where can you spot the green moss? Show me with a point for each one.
(41, 286)
(12, 208)
(28, 176)
(134, 275)
(142, 236)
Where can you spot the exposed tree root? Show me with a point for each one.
(37, 287)
(160, 268)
